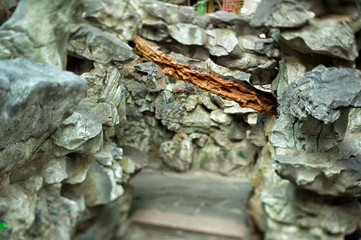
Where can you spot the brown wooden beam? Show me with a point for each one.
(240, 91)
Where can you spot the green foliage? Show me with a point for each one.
(200, 6)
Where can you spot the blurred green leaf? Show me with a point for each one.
(200, 9)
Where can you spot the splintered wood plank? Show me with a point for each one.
(240, 91)
(203, 224)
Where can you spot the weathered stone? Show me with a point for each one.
(197, 119)
(281, 13)
(199, 53)
(54, 171)
(77, 167)
(226, 161)
(50, 207)
(313, 109)
(93, 44)
(284, 204)
(118, 17)
(155, 80)
(20, 209)
(106, 222)
(222, 42)
(321, 38)
(220, 117)
(206, 100)
(168, 13)
(102, 181)
(236, 131)
(191, 103)
(238, 24)
(103, 113)
(34, 100)
(135, 133)
(154, 31)
(34, 183)
(41, 37)
(178, 153)
(290, 70)
(354, 120)
(247, 61)
(261, 46)
(257, 135)
(187, 34)
(335, 172)
(134, 160)
(76, 130)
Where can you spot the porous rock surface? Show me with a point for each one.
(68, 152)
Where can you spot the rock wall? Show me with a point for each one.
(70, 143)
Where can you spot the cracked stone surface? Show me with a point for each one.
(38, 96)
(314, 109)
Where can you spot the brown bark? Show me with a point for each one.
(241, 92)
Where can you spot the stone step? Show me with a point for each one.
(193, 223)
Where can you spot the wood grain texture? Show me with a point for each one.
(240, 91)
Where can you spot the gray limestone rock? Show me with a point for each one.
(168, 13)
(103, 181)
(198, 119)
(93, 44)
(195, 52)
(40, 37)
(75, 131)
(329, 37)
(220, 117)
(34, 99)
(50, 208)
(354, 120)
(54, 171)
(117, 17)
(281, 13)
(239, 25)
(155, 80)
(335, 172)
(154, 31)
(230, 160)
(222, 42)
(247, 62)
(19, 209)
(177, 153)
(314, 109)
(134, 160)
(107, 221)
(77, 166)
(254, 44)
(206, 100)
(290, 70)
(187, 34)
(191, 103)
(286, 205)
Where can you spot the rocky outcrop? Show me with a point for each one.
(35, 98)
(68, 152)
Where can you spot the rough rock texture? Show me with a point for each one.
(19, 32)
(321, 38)
(281, 13)
(91, 43)
(35, 98)
(313, 109)
(335, 172)
(69, 178)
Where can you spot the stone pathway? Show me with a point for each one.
(192, 206)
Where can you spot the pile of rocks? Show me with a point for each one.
(70, 143)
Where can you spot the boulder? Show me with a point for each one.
(34, 100)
